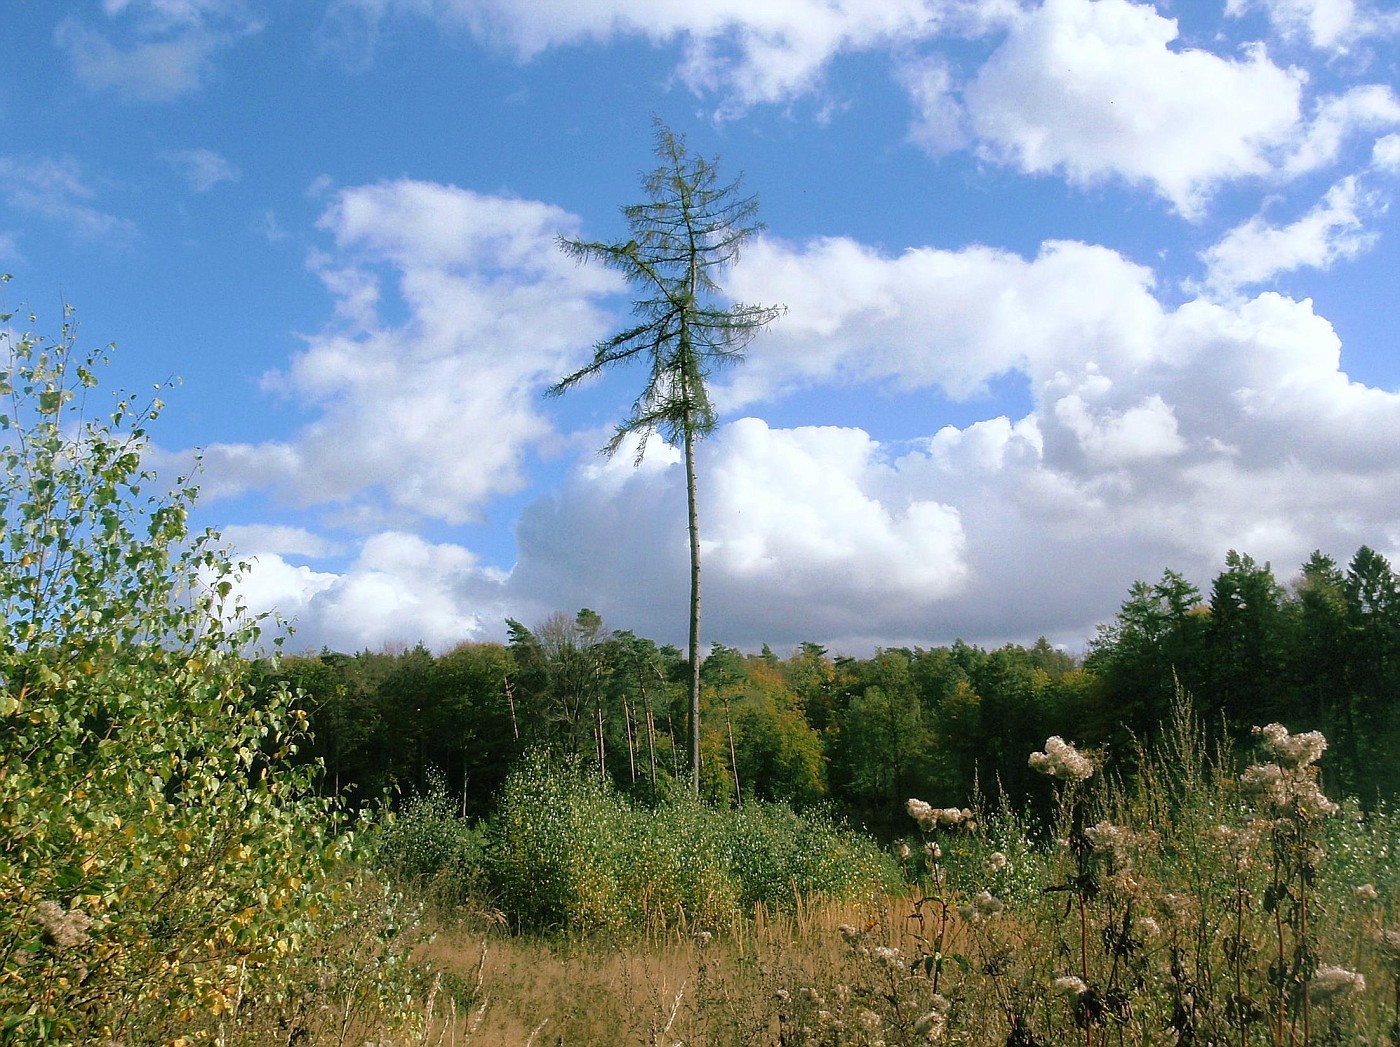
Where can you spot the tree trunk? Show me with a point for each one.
(694, 522)
(627, 721)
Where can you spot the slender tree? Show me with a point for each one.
(687, 231)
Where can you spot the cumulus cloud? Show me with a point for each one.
(1092, 90)
(398, 589)
(1096, 91)
(431, 416)
(280, 539)
(1329, 25)
(153, 50)
(805, 524)
(856, 314)
(939, 121)
(1234, 426)
(1255, 252)
(1385, 155)
(1368, 107)
(1168, 437)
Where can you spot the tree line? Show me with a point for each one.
(863, 734)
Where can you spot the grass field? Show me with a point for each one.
(1207, 903)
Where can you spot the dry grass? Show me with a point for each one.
(648, 991)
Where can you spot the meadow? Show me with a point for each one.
(1213, 899)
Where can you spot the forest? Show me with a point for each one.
(860, 735)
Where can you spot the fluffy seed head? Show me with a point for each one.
(1062, 760)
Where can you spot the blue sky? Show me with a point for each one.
(1077, 290)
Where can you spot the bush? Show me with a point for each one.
(428, 846)
(567, 852)
(164, 864)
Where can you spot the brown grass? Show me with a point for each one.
(661, 990)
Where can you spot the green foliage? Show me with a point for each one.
(690, 228)
(163, 859)
(567, 852)
(428, 844)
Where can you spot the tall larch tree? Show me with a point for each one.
(688, 230)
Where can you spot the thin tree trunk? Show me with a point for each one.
(627, 721)
(675, 752)
(694, 522)
(651, 743)
(510, 701)
(602, 758)
(733, 759)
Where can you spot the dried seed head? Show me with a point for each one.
(930, 818)
(1292, 750)
(887, 956)
(59, 928)
(983, 905)
(1062, 760)
(1071, 986)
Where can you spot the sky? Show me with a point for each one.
(1076, 291)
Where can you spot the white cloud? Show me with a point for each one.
(857, 315)
(279, 539)
(798, 510)
(59, 191)
(1368, 107)
(939, 121)
(431, 416)
(802, 532)
(1156, 437)
(1385, 155)
(1329, 25)
(753, 52)
(1112, 438)
(1094, 90)
(203, 168)
(399, 588)
(1255, 252)
(153, 50)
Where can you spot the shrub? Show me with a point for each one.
(428, 846)
(567, 852)
(163, 862)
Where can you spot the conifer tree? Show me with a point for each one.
(687, 231)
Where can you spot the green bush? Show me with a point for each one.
(567, 852)
(429, 846)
